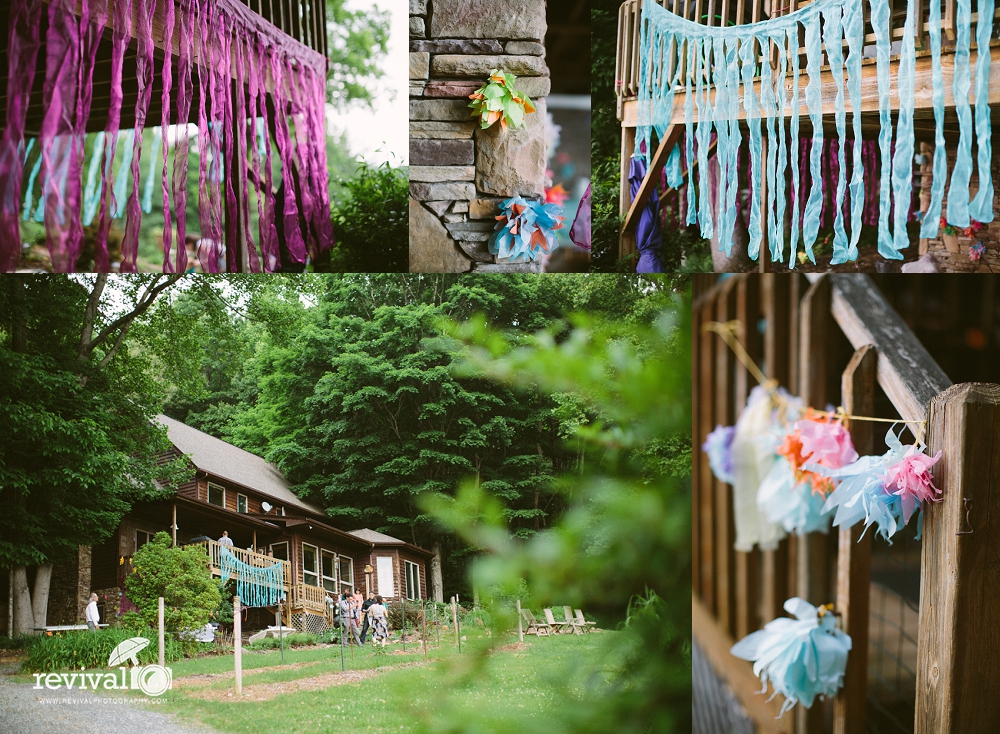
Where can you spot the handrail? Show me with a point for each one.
(257, 560)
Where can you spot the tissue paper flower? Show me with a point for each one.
(718, 445)
(791, 503)
(525, 228)
(497, 100)
(865, 490)
(802, 658)
(817, 439)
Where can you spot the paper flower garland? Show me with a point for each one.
(525, 229)
(718, 445)
(802, 658)
(498, 100)
(884, 490)
(977, 251)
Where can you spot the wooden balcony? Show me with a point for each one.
(306, 598)
(257, 560)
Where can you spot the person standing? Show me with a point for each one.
(92, 615)
(365, 606)
(380, 621)
(225, 539)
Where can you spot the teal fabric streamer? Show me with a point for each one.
(692, 199)
(749, 58)
(675, 176)
(854, 31)
(123, 172)
(147, 196)
(92, 194)
(902, 162)
(880, 26)
(793, 148)
(981, 208)
(27, 149)
(767, 102)
(835, 53)
(814, 101)
(932, 217)
(958, 193)
(256, 587)
(777, 230)
(29, 189)
(704, 133)
(734, 141)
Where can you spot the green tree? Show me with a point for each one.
(357, 41)
(77, 440)
(181, 576)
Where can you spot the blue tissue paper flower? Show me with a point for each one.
(718, 445)
(525, 229)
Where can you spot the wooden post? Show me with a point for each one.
(725, 366)
(957, 661)
(764, 256)
(854, 553)
(159, 632)
(520, 628)
(173, 526)
(454, 617)
(237, 641)
(254, 541)
(703, 413)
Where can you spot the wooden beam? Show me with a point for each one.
(922, 89)
(656, 163)
(957, 651)
(857, 390)
(715, 642)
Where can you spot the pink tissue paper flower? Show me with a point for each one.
(911, 480)
(828, 444)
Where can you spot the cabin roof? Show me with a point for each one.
(373, 536)
(214, 456)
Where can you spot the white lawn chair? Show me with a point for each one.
(587, 626)
(556, 626)
(536, 628)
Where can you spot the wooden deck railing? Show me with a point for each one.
(736, 593)
(257, 560)
(307, 598)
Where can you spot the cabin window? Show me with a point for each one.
(279, 511)
(241, 503)
(328, 568)
(383, 565)
(280, 551)
(310, 560)
(142, 537)
(216, 495)
(412, 581)
(346, 573)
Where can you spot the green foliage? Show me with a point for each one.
(606, 222)
(394, 612)
(77, 441)
(372, 223)
(626, 532)
(15, 643)
(73, 650)
(181, 576)
(298, 639)
(357, 42)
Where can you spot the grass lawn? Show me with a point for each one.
(487, 691)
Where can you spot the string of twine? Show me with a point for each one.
(729, 330)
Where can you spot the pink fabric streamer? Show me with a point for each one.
(827, 444)
(912, 482)
(22, 52)
(218, 36)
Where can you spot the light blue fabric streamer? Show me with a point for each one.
(147, 196)
(777, 230)
(802, 658)
(902, 162)
(793, 144)
(721, 117)
(732, 152)
(92, 193)
(27, 150)
(814, 100)
(750, 104)
(692, 198)
(123, 173)
(854, 30)
(767, 102)
(981, 208)
(675, 175)
(880, 26)
(835, 54)
(932, 217)
(958, 193)
(30, 187)
(704, 133)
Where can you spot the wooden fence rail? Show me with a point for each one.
(795, 329)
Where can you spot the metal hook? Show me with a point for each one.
(967, 504)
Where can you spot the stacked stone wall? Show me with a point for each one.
(459, 173)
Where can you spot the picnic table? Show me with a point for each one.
(63, 627)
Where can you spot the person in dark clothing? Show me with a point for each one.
(364, 613)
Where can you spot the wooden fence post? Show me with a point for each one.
(958, 655)
(854, 553)
(520, 627)
(159, 633)
(237, 649)
(724, 415)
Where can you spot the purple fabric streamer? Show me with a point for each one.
(291, 230)
(168, 33)
(269, 233)
(579, 233)
(185, 40)
(144, 74)
(22, 51)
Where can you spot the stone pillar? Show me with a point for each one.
(458, 173)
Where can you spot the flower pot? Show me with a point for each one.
(950, 243)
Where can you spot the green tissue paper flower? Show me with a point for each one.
(498, 100)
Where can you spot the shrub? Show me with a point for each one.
(395, 612)
(73, 650)
(181, 577)
(372, 225)
(297, 639)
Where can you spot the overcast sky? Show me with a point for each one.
(381, 133)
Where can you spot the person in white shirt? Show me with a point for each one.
(225, 539)
(379, 618)
(92, 615)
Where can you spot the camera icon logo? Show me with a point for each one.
(153, 680)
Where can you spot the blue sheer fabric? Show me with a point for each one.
(123, 173)
(92, 193)
(698, 61)
(147, 195)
